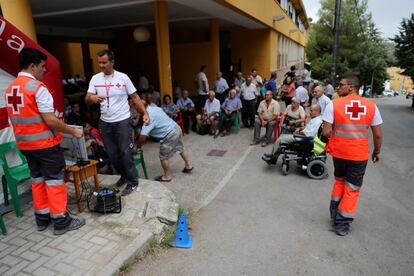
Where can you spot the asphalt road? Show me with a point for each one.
(259, 222)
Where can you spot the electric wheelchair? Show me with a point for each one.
(309, 154)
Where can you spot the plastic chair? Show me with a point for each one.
(236, 121)
(139, 160)
(2, 225)
(13, 175)
(180, 122)
(276, 130)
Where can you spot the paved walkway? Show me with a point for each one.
(104, 245)
(108, 242)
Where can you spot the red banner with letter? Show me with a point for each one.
(12, 41)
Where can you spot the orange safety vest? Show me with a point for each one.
(353, 116)
(30, 130)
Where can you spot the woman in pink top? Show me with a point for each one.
(288, 91)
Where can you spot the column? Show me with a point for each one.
(215, 48)
(163, 47)
(87, 61)
(19, 13)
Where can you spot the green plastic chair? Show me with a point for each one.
(139, 160)
(236, 121)
(2, 225)
(13, 176)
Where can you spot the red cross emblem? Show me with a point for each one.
(118, 85)
(355, 110)
(15, 100)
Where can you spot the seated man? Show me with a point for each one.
(170, 108)
(186, 105)
(293, 117)
(267, 115)
(163, 128)
(210, 113)
(228, 114)
(310, 130)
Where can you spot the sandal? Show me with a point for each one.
(187, 170)
(160, 179)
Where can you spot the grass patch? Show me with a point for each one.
(157, 244)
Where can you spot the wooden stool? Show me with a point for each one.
(82, 174)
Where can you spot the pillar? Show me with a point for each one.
(19, 13)
(87, 61)
(163, 47)
(215, 48)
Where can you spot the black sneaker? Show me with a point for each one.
(74, 223)
(129, 189)
(342, 229)
(42, 221)
(272, 160)
(120, 182)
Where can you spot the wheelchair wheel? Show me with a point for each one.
(285, 168)
(317, 169)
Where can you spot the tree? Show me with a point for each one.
(361, 48)
(404, 47)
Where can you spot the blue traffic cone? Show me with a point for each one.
(182, 239)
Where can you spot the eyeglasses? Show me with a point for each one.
(342, 84)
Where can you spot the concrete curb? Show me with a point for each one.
(127, 255)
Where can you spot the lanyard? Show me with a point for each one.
(107, 87)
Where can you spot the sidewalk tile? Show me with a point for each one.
(16, 268)
(41, 271)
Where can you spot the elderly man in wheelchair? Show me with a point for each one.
(305, 146)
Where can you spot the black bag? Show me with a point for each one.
(204, 129)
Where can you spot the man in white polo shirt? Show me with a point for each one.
(111, 89)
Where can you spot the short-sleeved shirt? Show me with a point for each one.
(211, 106)
(312, 126)
(289, 89)
(248, 92)
(268, 112)
(328, 115)
(115, 89)
(238, 81)
(302, 94)
(232, 104)
(306, 75)
(200, 78)
(297, 114)
(322, 101)
(160, 124)
(329, 90)
(271, 85)
(43, 97)
(220, 85)
(184, 103)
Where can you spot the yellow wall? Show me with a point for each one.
(397, 79)
(264, 13)
(186, 59)
(254, 48)
(94, 49)
(69, 55)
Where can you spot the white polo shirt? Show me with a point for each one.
(115, 89)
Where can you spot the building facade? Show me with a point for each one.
(167, 40)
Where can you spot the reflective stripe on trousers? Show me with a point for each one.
(50, 196)
(348, 206)
(338, 189)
